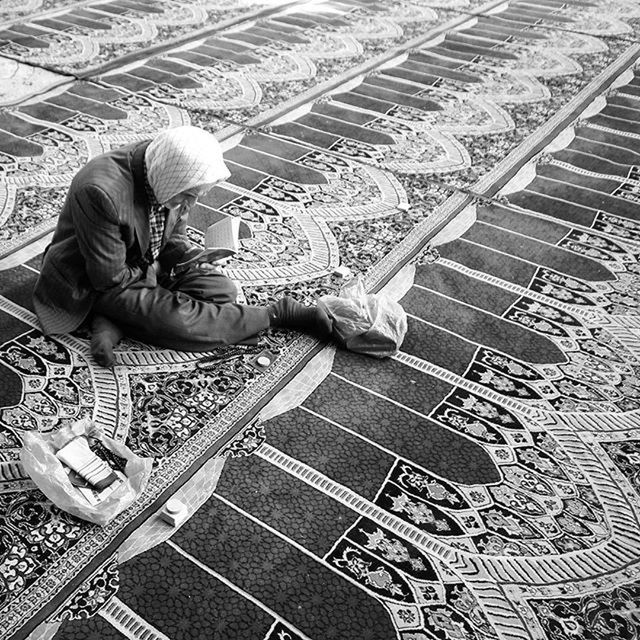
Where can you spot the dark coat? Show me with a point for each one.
(100, 240)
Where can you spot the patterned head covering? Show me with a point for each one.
(183, 158)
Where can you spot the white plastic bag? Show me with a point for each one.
(52, 478)
(367, 323)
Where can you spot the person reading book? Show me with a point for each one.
(221, 241)
(120, 257)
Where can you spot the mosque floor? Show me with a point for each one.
(477, 162)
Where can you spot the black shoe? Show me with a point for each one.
(290, 314)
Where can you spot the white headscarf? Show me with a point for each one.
(183, 158)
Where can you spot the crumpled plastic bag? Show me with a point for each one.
(52, 478)
(368, 323)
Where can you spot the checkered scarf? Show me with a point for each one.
(157, 220)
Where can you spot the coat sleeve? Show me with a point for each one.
(178, 247)
(97, 228)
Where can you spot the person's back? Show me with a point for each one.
(103, 191)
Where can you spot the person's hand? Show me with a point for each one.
(210, 267)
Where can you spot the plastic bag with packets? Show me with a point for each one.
(368, 323)
(108, 475)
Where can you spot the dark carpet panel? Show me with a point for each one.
(425, 57)
(563, 210)
(93, 91)
(10, 381)
(489, 262)
(249, 38)
(185, 602)
(36, 262)
(294, 21)
(554, 172)
(474, 49)
(218, 197)
(306, 134)
(274, 25)
(482, 295)
(277, 35)
(484, 39)
(275, 146)
(227, 45)
(620, 148)
(19, 127)
(334, 452)
(96, 628)
(169, 65)
(161, 77)
(201, 217)
(393, 85)
(290, 506)
(533, 14)
(585, 197)
(90, 14)
(209, 55)
(14, 35)
(336, 127)
(344, 114)
(129, 82)
(19, 147)
(540, 253)
(402, 73)
(304, 592)
(140, 6)
(395, 97)
(78, 20)
(244, 177)
(617, 123)
(442, 71)
(17, 285)
(584, 156)
(392, 379)
(81, 105)
(532, 226)
(473, 325)
(275, 167)
(451, 48)
(412, 437)
(52, 23)
(628, 105)
(435, 345)
(505, 30)
(630, 90)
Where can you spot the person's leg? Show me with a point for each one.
(208, 286)
(175, 320)
(194, 312)
(215, 287)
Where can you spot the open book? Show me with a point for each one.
(220, 241)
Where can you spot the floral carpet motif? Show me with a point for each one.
(483, 483)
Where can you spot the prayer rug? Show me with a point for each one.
(480, 484)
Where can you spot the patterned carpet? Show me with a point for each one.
(479, 162)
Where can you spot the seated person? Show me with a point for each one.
(119, 237)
